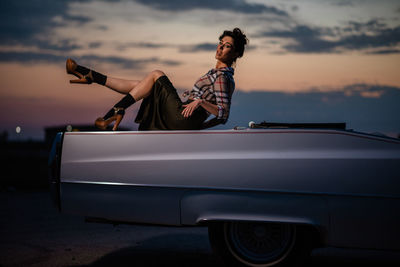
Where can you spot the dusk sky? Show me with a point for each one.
(308, 60)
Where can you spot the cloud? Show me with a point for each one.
(385, 51)
(127, 45)
(90, 60)
(64, 45)
(27, 21)
(353, 36)
(95, 44)
(205, 47)
(181, 48)
(305, 39)
(238, 6)
(30, 57)
(198, 47)
(295, 8)
(127, 63)
(364, 90)
(344, 3)
(373, 25)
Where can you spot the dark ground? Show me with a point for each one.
(34, 233)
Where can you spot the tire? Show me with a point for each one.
(258, 244)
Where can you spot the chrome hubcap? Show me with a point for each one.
(259, 244)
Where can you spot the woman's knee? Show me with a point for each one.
(157, 74)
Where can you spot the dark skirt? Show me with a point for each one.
(161, 110)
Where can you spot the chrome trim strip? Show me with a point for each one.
(229, 189)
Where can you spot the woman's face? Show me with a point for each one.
(226, 51)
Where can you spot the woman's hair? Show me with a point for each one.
(239, 40)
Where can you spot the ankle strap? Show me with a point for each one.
(119, 110)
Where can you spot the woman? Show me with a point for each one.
(161, 108)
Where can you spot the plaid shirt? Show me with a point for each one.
(216, 87)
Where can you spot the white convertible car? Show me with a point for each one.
(268, 194)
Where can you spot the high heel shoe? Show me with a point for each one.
(72, 67)
(102, 123)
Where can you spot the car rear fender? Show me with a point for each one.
(198, 207)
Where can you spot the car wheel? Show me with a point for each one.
(255, 244)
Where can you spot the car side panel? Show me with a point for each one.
(122, 203)
(361, 222)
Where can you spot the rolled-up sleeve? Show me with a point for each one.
(223, 93)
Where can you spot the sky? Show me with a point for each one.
(308, 60)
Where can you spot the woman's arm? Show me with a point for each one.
(213, 109)
(211, 123)
(192, 106)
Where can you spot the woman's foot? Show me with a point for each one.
(115, 114)
(85, 75)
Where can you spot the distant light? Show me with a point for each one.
(18, 129)
(69, 128)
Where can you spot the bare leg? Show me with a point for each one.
(120, 85)
(138, 89)
(144, 87)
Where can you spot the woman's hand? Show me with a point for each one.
(191, 107)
